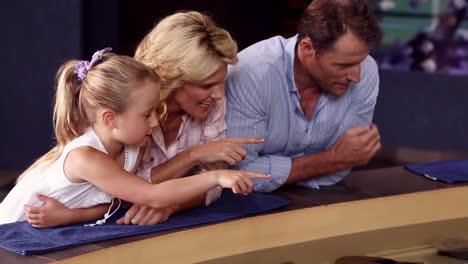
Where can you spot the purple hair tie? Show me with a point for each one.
(82, 68)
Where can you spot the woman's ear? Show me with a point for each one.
(109, 118)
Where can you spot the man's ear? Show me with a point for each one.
(307, 46)
(109, 118)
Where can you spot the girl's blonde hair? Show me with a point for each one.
(106, 85)
(185, 46)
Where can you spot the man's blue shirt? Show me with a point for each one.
(263, 101)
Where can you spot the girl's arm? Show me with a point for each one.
(54, 213)
(94, 166)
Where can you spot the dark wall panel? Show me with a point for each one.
(36, 38)
(414, 109)
(428, 111)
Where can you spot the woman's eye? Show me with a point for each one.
(209, 86)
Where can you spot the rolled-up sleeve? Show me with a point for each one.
(246, 117)
(278, 167)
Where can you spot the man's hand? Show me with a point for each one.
(356, 146)
(143, 215)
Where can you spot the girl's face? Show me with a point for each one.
(197, 99)
(137, 122)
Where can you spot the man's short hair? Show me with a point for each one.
(324, 21)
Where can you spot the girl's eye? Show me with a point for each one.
(150, 113)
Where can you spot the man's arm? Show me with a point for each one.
(355, 147)
(248, 97)
(356, 141)
(247, 116)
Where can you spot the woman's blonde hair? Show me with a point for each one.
(186, 46)
(106, 85)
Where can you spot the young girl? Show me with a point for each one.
(104, 112)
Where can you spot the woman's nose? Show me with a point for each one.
(218, 91)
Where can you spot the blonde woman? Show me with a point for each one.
(190, 53)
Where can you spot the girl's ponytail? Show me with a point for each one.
(68, 119)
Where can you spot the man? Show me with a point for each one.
(311, 97)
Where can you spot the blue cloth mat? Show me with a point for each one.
(448, 171)
(24, 239)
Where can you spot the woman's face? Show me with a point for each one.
(197, 99)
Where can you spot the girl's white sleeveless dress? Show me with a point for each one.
(51, 181)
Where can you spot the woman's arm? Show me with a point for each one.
(176, 167)
(228, 150)
(54, 213)
(143, 215)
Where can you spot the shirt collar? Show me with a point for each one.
(158, 136)
(290, 52)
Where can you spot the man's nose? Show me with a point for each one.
(354, 73)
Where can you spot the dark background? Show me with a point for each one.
(414, 109)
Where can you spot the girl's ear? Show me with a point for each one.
(109, 119)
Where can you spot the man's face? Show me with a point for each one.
(335, 68)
